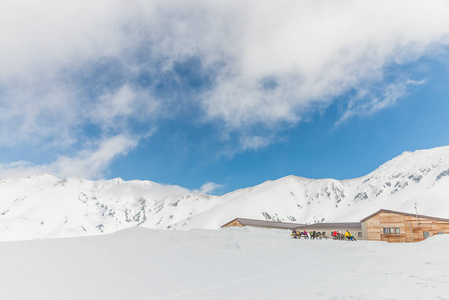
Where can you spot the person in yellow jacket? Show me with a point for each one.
(348, 235)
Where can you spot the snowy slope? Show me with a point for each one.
(44, 206)
(237, 263)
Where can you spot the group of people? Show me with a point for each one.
(336, 235)
(307, 234)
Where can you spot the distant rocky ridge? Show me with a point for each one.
(44, 206)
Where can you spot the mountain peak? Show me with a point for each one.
(44, 206)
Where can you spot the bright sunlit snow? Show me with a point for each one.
(243, 263)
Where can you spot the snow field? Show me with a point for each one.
(235, 263)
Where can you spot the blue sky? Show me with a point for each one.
(216, 96)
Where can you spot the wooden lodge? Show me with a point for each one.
(398, 227)
(384, 225)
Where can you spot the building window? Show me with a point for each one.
(392, 230)
(426, 234)
(440, 232)
(360, 234)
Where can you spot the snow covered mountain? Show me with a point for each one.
(420, 177)
(45, 206)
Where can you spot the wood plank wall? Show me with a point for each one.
(382, 220)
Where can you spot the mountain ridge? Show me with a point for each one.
(44, 206)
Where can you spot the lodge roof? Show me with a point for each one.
(285, 225)
(341, 225)
(404, 214)
(260, 223)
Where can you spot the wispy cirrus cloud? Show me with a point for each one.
(368, 103)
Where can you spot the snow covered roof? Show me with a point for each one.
(404, 214)
(261, 223)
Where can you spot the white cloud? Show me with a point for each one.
(19, 169)
(317, 51)
(255, 142)
(366, 104)
(273, 62)
(30, 115)
(416, 82)
(208, 187)
(113, 109)
(38, 39)
(89, 163)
